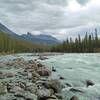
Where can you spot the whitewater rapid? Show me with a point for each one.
(76, 69)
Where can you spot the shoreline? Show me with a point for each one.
(29, 80)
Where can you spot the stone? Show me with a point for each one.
(76, 90)
(74, 98)
(68, 84)
(42, 58)
(43, 93)
(35, 74)
(44, 72)
(89, 83)
(59, 96)
(15, 89)
(30, 96)
(9, 75)
(19, 94)
(62, 78)
(3, 89)
(53, 84)
(31, 87)
(29, 76)
(2, 76)
(53, 69)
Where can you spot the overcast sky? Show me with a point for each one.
(60, 18)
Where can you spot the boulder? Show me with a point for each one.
(3, 89)
(76, 90)
(53, 84)
(19, 94)
(2, 76)
(53, 69)
(42, 58)
(89, 83)
(74, 98)
(62, 78)
(59, 96)
(9, 75)
(15, 89)
(35, 74)
(30, 96)
(31, 87)
(43, 72)
(29, 76)
(39, 64)
(43, 94)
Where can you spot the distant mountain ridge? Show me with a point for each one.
(44, 39)
(39, 39)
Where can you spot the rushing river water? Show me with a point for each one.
(76, 69)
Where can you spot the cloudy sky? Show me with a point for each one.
(60, 18)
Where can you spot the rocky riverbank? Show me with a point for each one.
(27, 80)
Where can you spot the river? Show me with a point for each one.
(76, 69)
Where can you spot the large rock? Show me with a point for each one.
(9, 75)
(74, 98)
(14, 89)
(31, 87)
(43, 72)
(2, 76)
(43, 94)
(3, 89)
(89, 83)
(76, 90)
(30, 96)
(42, 58)
(53, 84)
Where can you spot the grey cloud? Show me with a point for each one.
(83, 2)
(40, 15)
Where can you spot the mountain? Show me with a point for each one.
(4, 29)
(40, 39)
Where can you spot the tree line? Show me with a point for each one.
(10, 44)
(89, 44)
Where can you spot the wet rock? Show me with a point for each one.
(1, 72)
(74, 98)
(53, 84)
(29, 76)
(22, 85)
(42, 58)
(9, 75)
(59, 96)
(2, 76)
(35, 74)
(19, 60)
(89, 83)
(31, 87)
(68, 84)
(76, 90)
(23, 73)
(53, 69)
(39, 64)
(43, 93)
(3, 89)
(19, 94)
(30, 96)
(62, 78)
(44, 72)
(15, 89)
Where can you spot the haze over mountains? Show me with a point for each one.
(38, 39)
